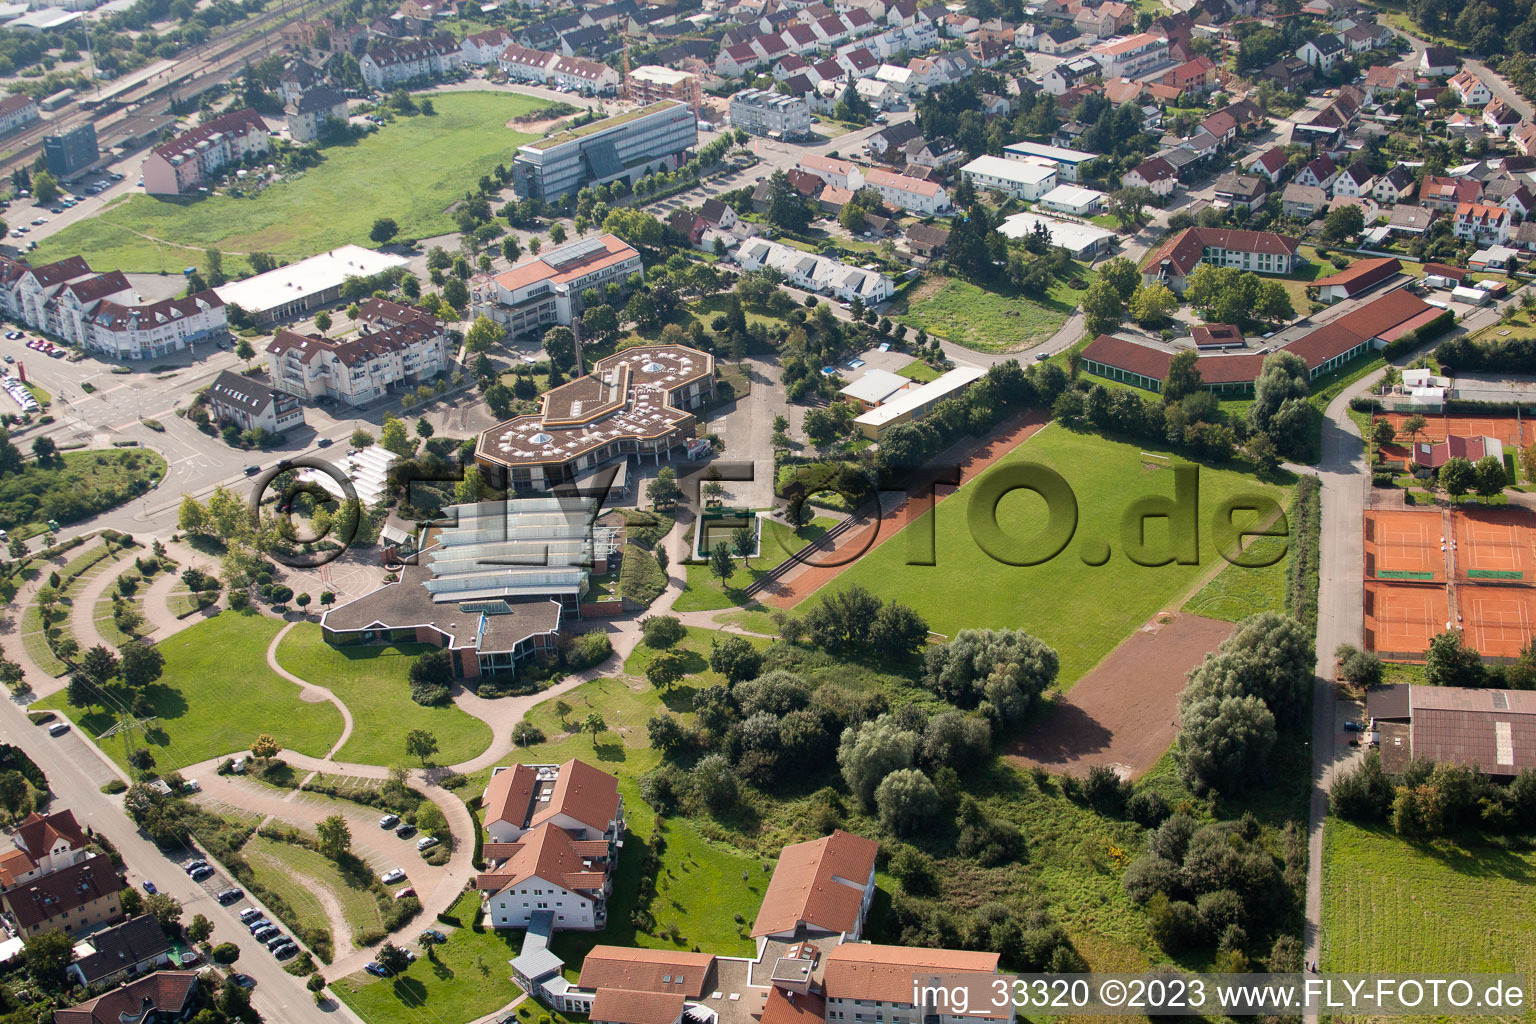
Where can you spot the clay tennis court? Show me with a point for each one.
(1405, 544)
(1506, 428)
(1495, 540)
(1122, 712)
(1400, 618)
(1498, 620)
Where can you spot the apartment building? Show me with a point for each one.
(627, 146)
(357, 369)
(816, 273)
(916, 195)
(103, 313)
(525, 64)
(639, 402)
(546, 289)
(16, 112)
(1482, 224)
(819, 888)
(76, 898)
(652, 83)
(763, 112)
(482, 48)
(388, 64)
(250, 405)
(195, 157)
(1023, 179)
(1132, 56)
(1262, 252)
(587, 77)
(310, 113)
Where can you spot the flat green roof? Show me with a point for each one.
(571, 134)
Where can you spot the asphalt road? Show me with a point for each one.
(76, 771)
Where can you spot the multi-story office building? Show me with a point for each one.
(627, 146)
(547, 289)
(195, 157)
(72, 152)
(405, 349)
(774, 114)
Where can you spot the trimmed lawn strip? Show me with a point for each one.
(270, 862)
(372, 682)
(215, 697)
(182, 602)
(360, 905)
(413, 170)
(1081, 610)
(919, 371)
(1395, 906)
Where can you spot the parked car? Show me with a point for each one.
(278, 940)
(375, 968)
(264, 933)
(258, 924)
(405, 831)
(324, 442)
(285, 951)
(432, 935)
(191, 786)
(149, 886)
(249, 914)
(426, 843)
(1353, 726)
(195, 862)
(242, 980)
(392, 876)
(403, 893)
(199, 874)
(252, 470)
(228, 895)
(59, 729)
(12, 335)
(389, 821)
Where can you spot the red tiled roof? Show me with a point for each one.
(819, 883)
(39, 833)
(548, 853)
(1185, 250)
(585, 793)
(162, 995)
(647, 970)
(857, 970)
(1362, 274)
(1129, 356)
(620, 1006)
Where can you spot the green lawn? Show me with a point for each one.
(411, 170)
(292, 871)
(704, 591)
(470, 979)
(1392, 906)
(1237, 593)
(371, 681)
(216, 696)
(1081, 610)
(919, 371)
(991, 321)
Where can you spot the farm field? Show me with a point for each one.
(412, 170)
(991, 321)
(1390, 905)
(1081, 610)
(371, 681)
(216, 696)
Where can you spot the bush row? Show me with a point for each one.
(1301, 569)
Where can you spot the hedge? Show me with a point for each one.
(1301, 570)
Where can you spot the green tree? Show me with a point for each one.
(666, 669)
(48, 955)
(420, 744)
(594, 724)
(720, 562)
(1183, 377)
(244, 350)
(734, 657)
(44, 188)
(141, 664)
(191, 517)
(1450, 662)
(483, 334)
(1102, 308)
(1457, 476)
(384, 228)
(469, 489)
(1151, 304)
(662, 492)
(395, 439)
(360, 438)
(265, 746)
(1343, 222)
(423, 427)
(907, 802)
(1489, 476)
(1382, 432)
(335, 836)
(743, 543)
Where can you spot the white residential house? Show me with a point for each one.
(483, 48)
(1024, 179)
(1484, 225)
(916, 195)
(1322, 51)
(811, 272)
(1470, 89)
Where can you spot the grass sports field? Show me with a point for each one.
(411, 170)
(371, 681)
(1082, 610)
(1392, 906)
(991, 321)
(216, 696)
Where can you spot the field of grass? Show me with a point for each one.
(1239, 592)
(469, 980)
(704, 591)
(1080, 609)
(991, 321)
(411, 170)
(919, 371)
(216, 696)
(291, 871)
(1392, 906)
(371, 681)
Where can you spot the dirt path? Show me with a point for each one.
(330, 906)
(799, 584)
(1124, 712)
